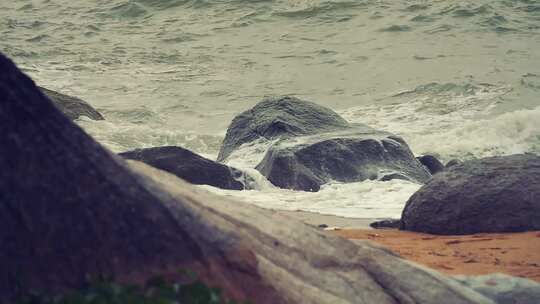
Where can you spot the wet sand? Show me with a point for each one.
(517, 254)
(332, 221)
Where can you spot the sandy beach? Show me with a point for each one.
(517, 254)
(332, 221)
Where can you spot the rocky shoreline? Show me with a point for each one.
(72, 210)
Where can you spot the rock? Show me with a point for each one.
(281, 117)
(71, 211)
(452, 162)
(390, 223)
(72, 107)
(391, 176)
(503, 288)
(314, 146)
(496, 194)
(431, 163)
(191, 167)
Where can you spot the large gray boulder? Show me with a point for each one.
(191, 167)
(503, 288)
(71, 211)
(314, 145)
(279, 117)
(72, 107)
(495, 194)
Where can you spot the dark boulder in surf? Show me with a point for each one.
(495, 194)
(71, 211)
(431, 163)
(72, 107)
(314, 145)
(191, 167)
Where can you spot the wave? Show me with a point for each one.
(431, 117)
(121, 136)
(510, 133)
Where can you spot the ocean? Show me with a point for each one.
(457, 79)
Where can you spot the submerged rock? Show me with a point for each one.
(495, 194)
(431, 163)
(72, 107)
(503, 288)
(71, 211)
(191, 167)
(314, 145)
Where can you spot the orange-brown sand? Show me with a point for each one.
(517, 254)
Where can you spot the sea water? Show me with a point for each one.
(457, 79)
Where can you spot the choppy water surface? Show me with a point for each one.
(456, 78)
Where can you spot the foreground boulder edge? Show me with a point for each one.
(312, 145)
(191, 167)
(70, 211)
(72, 107)
(495, 194)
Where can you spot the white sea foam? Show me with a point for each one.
(368, 199)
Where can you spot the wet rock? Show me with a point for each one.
(495, 194)
(452, 162)
(390, 223)
(72, 107)
(314, 146)
(503, 288)
(280, 117)
(431, 163)
(71, 211)
(391, 176)
(191, 167)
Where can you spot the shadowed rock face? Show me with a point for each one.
(431, 163)
(72, 107)
(190, 166)
(70, 210)
(496, 194)
(306, 163)
(315, 145)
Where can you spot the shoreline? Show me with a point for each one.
(516, 254)
(333, 221)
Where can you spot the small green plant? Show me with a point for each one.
(156, 291)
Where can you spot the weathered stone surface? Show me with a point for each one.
(496, 194)
(314, 146)
(503, 288)
(72, 107)
(70, 210)
(431, 163)
(191, 167)
(279, 117)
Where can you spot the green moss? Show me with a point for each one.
(156, 291)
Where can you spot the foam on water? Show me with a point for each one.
(454, 121)
(369, 199)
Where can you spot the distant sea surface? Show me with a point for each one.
(458, 79)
